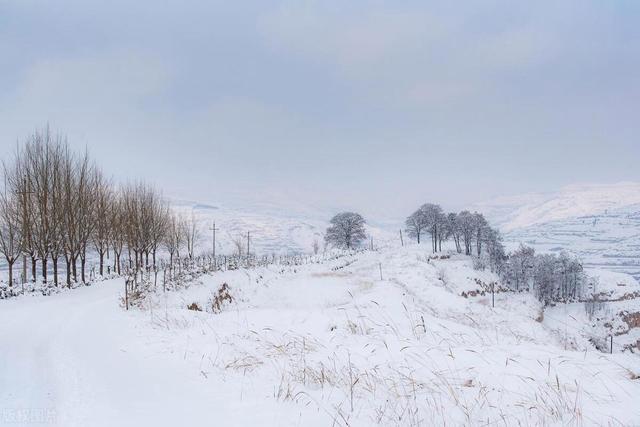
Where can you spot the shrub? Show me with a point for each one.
(220, 298)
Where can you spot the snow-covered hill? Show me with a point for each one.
(517, 212)
(376, 338)
(599, 223)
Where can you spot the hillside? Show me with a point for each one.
(598, 223)
(572, 201)
(392, 337)
(608, 240)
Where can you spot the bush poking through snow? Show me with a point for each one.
(220, 298)
(137, 295)
(194, 307)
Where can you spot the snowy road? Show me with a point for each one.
(76, 359)
(284, 353)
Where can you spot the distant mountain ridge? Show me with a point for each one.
(515, 212)
(599, 223)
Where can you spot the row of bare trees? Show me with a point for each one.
(57, 209)
(466, 229)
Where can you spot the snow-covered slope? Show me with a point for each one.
(375, 338)
(572, 201)
(599, 223)
(610, 240)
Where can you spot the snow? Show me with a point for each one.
(273, 229)
(571, 201)
(314, 344)
(598, 223)
(612, 285)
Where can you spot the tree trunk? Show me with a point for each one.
(68, 261)
(101, 262)
(83, 260)
(74, 262)
(55, 270)
(44, 270)
(435, 238)
(34, 267)
(10, 264)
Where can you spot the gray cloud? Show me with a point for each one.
(341, 103)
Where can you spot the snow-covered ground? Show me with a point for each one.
(389, 337)
(615, 310)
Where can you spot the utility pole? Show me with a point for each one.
(611, 345)
(493, 295)
(401, 241)
(213, 230)
(248, 249)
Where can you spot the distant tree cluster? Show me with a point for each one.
(58, 206)
(469, 231)
(552, 277)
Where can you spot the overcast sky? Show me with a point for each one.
(350, 103)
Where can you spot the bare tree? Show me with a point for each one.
(346, 230)
(466, 227)
(10, 229)
(433, 220)
(88, 177)
(57, 212)
(192, 235)
(160, 221)
(19, 181)
(481, 228)
(415, 225)
(117, 222)
(454, 230)
(102, 231)
(38, 166)
(521, 263)
(172, 238)
(238, 244)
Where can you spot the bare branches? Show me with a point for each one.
(346, 230)
(56, 203)
(10, 229)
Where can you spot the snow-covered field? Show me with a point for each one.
(370, 338)
(287, 228)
